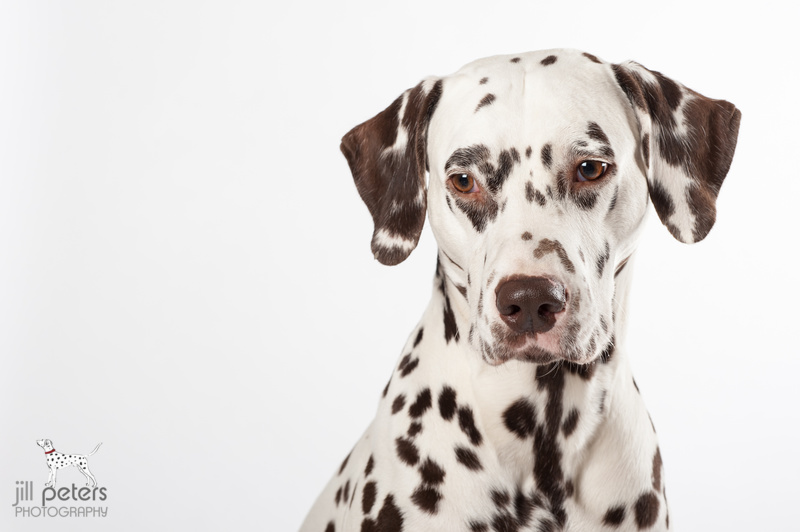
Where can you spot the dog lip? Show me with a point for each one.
(524, 346)
(536, 356)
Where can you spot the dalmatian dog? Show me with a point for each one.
(56, 461)
(512, 406)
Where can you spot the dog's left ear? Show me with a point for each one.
(387, 157)
(688, 142)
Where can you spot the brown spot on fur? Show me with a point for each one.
(466, 422)
(520, 418)
(407, 451)
(630, 85)
(532, 194)
(505, 163)
(614, 516)
(486, 100)
(547, 468)
(613, 203)
(479, 212)
(421, 405)
(571, 422)
(592, 58)
(447, 403)
(407, 365)
(411, 366)
(549, 60)
(664, 205)
(515, 60)
(465, 158)
(426, 498)
(595, 132)
(646, 510)
(526, 236)
(368, 496)
(657, 465)
(554, 246)
(602, 259)
(468, 458)
(344, 462)
(398, 403)
(585, 198)
(390, 519)
(418, 338)
(431, 472)
(450, 326)
(462, 290)
(483, 81)
(547, 156)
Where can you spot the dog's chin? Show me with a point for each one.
(522, 347)
(533, 349)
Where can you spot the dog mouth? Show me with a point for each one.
(508, 345)
(558, 344)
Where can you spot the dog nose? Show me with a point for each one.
(529, 304)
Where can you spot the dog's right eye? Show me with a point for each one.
(463, 182)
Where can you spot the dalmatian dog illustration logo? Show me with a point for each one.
(57, 460)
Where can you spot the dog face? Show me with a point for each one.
(47, 445)
(541, 167)
(536, 190)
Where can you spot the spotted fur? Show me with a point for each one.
(492, 421)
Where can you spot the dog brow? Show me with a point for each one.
(466, 157)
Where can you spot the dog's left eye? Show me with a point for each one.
(591, 170)
(463, 183)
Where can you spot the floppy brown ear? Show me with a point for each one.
(387, 157)
(688, 142)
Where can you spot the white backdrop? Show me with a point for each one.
(185, 272)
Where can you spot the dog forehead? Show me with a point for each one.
(535, 97)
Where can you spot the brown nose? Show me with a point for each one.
(529, 304)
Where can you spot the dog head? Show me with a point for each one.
(47, 445)
(541, 168)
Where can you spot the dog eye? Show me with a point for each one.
(591, 170)
(463, 182)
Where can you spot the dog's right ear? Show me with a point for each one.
(387, 157)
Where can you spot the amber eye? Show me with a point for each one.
(463, 182)
(591, 170)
